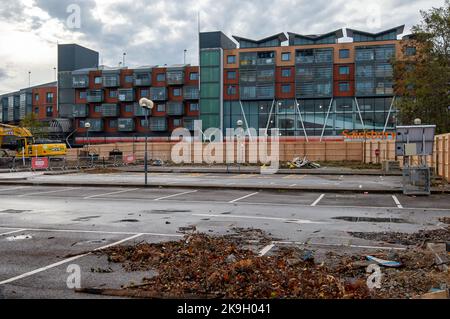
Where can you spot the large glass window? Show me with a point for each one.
(344, 70)
(286, 56)
(285, 73)
(344, 87)
(344, 53)
(231, 59)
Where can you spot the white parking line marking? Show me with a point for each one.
(175, 195)
(81, 231)
(288, 220)
(12, 189)
(397, 202)
(13, 232)
(243, 197)
(112, 193)
(65, 261)
(265, 250)
(292, 185)
(318, 200)
(49, 192)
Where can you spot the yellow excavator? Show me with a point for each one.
(26, 146)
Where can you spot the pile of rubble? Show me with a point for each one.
(202, 266)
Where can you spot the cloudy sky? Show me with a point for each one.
(157, 31)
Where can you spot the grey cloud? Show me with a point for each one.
(3, 74)
(11, 11)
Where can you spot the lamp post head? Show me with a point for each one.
(146, 103)
(417, 122)
(239, 123)
(87, 125)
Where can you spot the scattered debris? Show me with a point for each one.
(102, 270)
(184, 230)
(384, 263)
(302, 163)
(19, 237)
(445, 220)
(414, 239)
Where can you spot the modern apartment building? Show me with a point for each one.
(307, 86)
(314, 86)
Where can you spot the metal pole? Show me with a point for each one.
(145, 155)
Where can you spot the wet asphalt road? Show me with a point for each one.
(61, 221)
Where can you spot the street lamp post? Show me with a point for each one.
(87, 126)
(147, 105)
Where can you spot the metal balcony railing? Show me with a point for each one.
(191, 93)
(94, 96)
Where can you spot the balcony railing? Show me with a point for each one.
(109, 110)
(140, 111)
(191, 93)
(141, 80)
(125, 125)
(175, 77)
(96, 125)
(158, 124)
(80, 81)
(111, 81)
(158, 93)
(175, 108)
(126, 95)
(94, 96)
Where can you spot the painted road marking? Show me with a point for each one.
(112, 193)
(265, 250)
(65, 261)
(175, 195)
(294, 177)
(243, 197)
(14, 188)
(318, 200)
(13, 232)
(287, 220)
(81, 231)
(397, 202)
(292, 185)
(49, 192)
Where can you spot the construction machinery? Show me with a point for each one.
(21, 140)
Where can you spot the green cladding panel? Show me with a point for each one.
(210, 88)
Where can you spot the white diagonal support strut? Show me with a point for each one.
(270, 116)
(389, 115)
(245, 119)
(360, 115)
(301, 119)
(326, 119)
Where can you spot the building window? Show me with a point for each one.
(145, 93)
(193, 107)
(82, 95)
(36, 110)
(129, 108)
(285, 73)
(161, 108)
(98, 80)
(176, 122)
(410, 51)
(286, 88)
(344, 70)
(344, 53)
(176, 92)
(49, 97)
(231, 59)
(193, 76)
(161, 77)
(113, 94)
(286, 56)
(344, 87)
(231, 75)
(113, 123)
(49, 111)
(232, 90)
(36, 97)
(129, 79)
(97, 109)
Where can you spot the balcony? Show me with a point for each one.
(80, 81)
(191, 93)
(80, 110)
(125, 125)
(175, 77)
(175, 108)
(111, 81)
(142, 79)
(158, 124)
(188, 123)
(140, 111)
(126, 95)
(95, 96)
(109, 110)
(158, 93)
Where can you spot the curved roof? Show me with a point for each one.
(338, 33)
(280, 37)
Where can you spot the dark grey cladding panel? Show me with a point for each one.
(73, 57)
(216, 39)
(65, 80)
